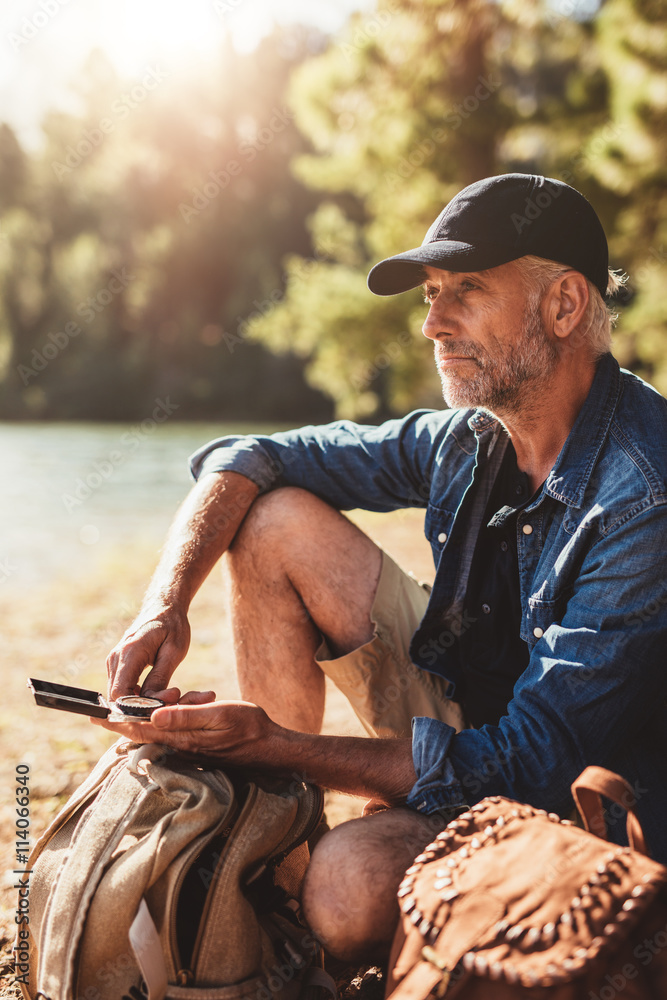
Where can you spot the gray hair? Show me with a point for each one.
(598, 319)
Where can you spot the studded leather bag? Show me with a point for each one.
(511, 902)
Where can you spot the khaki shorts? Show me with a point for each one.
(385, 689)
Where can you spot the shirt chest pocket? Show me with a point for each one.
(539, 616)
(437, 526)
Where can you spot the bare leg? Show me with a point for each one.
(349, 896)
(299, 571)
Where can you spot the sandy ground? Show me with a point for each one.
(63, 632)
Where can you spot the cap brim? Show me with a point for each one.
(406, 270)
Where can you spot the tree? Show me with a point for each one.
(139, 239)
(630, 167)
(414, 102)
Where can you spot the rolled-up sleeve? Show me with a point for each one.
(437, 787)
(243, 454)
(349, 465)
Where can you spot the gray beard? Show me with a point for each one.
(510, 381)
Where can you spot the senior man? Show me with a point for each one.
(540, 648)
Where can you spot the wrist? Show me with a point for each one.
(167, 601)
(274, 748)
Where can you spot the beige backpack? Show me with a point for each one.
(167, 878)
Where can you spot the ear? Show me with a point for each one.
(566, 303)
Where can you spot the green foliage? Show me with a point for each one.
(135, 244)
(418, 99)
(632, 165)
(197, 243)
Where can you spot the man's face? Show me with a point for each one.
(491, 347)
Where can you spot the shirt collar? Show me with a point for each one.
(568, 480)
(572, 470)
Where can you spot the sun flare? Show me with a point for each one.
(136, 32)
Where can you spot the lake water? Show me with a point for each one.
(71, 492)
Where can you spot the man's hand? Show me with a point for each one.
(159, 639)
(237, 731)
(242, 734)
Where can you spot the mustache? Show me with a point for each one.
(457, 349)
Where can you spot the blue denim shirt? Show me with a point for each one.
(591, 548)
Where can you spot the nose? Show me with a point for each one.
(434, 325)
(429, 326)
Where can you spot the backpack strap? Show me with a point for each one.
(318, 977)
(586, 791)
(145, 942)
(147, 949)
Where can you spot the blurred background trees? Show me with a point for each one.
(210, 238)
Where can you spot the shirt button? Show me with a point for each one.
(527, 529)
(486, 609)
(442, 537)
(504, 546)
(538, 632)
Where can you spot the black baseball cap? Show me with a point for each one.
(499, 219)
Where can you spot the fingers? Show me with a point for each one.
(157, 642)
(169, 654)
(130, 657)
(196, 697)
(143, 731)
(125, 665)
(235, 730)
(169, 696)
(134, 729)
(188, 716)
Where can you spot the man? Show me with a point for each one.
(545, 492)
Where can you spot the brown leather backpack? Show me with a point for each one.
(511, 902)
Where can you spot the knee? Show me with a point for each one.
(274, 519)
(349, 896)
(341, 901)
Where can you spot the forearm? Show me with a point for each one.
(159, 637)
(202, 531)
(241, 734)
(377, 768)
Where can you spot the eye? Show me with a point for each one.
(430, 293)
(468, 286)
